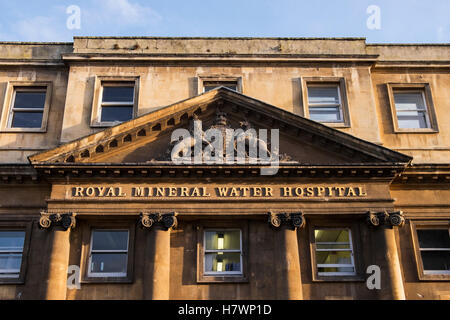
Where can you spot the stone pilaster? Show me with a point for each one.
(287, 265)
(58, 226)
(157, 269)
(383, 224)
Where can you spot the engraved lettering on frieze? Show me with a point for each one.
(236, 191)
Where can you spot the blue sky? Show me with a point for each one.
(401, 21)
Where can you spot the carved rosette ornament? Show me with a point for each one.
(397, 219)
(64, 220)
(166, 220)
(292, 220)
(393, 219)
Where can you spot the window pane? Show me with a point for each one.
(409, 101)
(332, 235)
(228, 240)
(212, 85)
(333, 257)
(10, 262)
(323, 94)
(333, 246)
(109, 262)
(118, 94)
(110, 240)
(436, 260)
(27, 119)
(438, 238)
(412, 119)
(29, 99)
(227, 261)
(12, 240)
(325, 114)
(336, 269)
(117, 113)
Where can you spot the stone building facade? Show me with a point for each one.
(93, 206)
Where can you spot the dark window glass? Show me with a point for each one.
(28, 109)
(27, 119)
(109, 262)
(29, 100)
(110, 240)
(117, 113)
(438, 238)
(435, 249)
(436, 260)
(118, 94)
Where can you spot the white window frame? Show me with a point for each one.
(13, 109)
(425, 89)
(433, 272)
(115, 104)
(205, 251)
(8, 107)
(325, 105)
(97, 102)
(9, 273)
(352, 255)
(107, 274)
(426, 110)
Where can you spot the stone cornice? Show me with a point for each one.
(89, 170)
(223, 57)
(424, 174)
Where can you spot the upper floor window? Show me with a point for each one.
(11, 250)
(115, 100)
(334, 252)
(211, 82)
(325, 101)
(412, 108)
(434, 247)
(108, 255)
(211, 85)
(26, 106)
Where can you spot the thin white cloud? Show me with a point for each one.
(39, 28)
(126, 13)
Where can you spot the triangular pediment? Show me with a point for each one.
(147, 139)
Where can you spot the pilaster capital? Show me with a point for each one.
(165, 220)
(64, 220)
(393, 219)
(292, 220)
